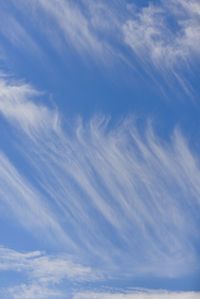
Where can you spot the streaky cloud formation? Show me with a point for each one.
(169, 30)
(105, 204)
(15, 105)
(161, 43)
(170, 39)
(32, 291)
(109, 35)
(117, 187)
(18, 196)
(43, 273)
(40, 266)
(64, 25)
(140, 295)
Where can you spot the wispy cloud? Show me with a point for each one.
(21, 200)
(169, 32)
(44, 273)
(118, 199)
(17, 194)
(65, 26)
(73, 24)
(17, 35)
(32, 291)
(140, 295)
(107, 32)
(115, 187)
(15, 105)
(42, 267)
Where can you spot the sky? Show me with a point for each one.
(99, 149)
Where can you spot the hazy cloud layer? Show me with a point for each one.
(42, 274)
(140, 295)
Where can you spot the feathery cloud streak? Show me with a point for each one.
(109, 34)
(117, 187)
(17, 194)
(116, 201)
(41, 267)
(169, 30)
(140, 295)
(62, 23)
(15, 105)
(20, 199)
(42, 274)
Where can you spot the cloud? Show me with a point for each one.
(117, 197)
(169, 30)
(73, 24)
(31, 292)
(42, 267)
(16, 106)
(21, 199)
(17, 35)
(111, 187)
(73, 27)
(169, 33)
(140, 295)
(44, 273)
(99, 186)
(109, 34)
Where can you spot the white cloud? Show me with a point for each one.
(125, 199)
(99, 28)
(164, 35)
(18, 105)
(152, 36)
(31, 292)
(73, 25)
(41, 267)
(21, 199)
(140, 295)
(15, 105)
(17, 35)
(119, 188)
(43, 273)
(126, 187)
(64, 25)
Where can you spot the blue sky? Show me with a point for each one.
(99, 149)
